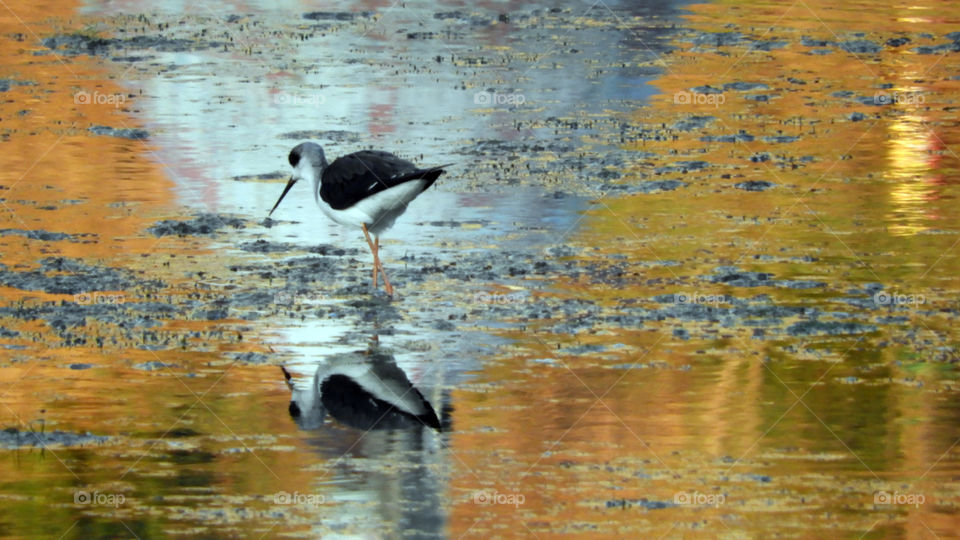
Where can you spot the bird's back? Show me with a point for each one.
(354, 177)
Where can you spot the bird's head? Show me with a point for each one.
(308, 162)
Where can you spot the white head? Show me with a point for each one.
(308, 163)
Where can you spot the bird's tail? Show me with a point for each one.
(430, 175)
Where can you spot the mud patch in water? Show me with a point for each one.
(13, 438)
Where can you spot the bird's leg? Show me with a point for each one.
(376, 259)
(376, 255)
(376, 262)
(373, 249)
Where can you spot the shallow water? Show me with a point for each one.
(693, 273)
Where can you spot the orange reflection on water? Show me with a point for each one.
(734, 422)
(105, 192)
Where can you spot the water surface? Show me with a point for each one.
(693, 273)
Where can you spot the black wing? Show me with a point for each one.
(356, 407)
(353, 177)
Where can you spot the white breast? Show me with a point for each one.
(378, 211)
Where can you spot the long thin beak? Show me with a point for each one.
(290, 184)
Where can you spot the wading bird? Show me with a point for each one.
(367, 189)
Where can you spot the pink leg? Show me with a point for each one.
(376, 255)
(375, 249)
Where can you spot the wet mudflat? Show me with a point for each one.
(693, 274)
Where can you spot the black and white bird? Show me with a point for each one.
(363, 389)
(367, 189)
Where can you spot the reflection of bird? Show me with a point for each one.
(368, 189)
(364, 390)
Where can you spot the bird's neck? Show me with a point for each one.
(316, 173)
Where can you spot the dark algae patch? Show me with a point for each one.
(12, 438)
(202, 224)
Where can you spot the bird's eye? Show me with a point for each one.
(294, 158)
